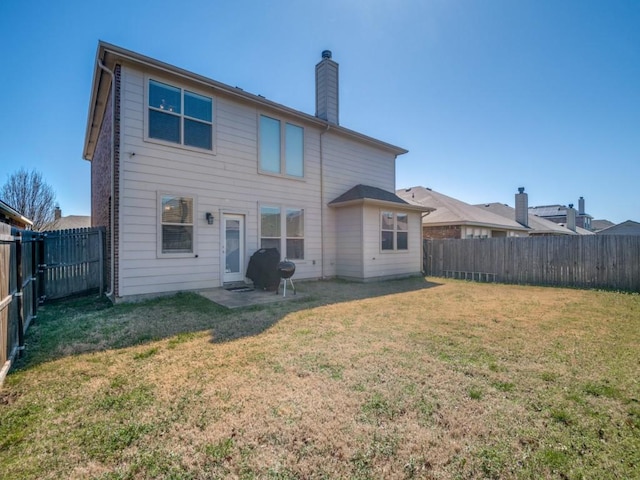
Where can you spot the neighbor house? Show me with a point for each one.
(565, 215)
(537, 226)
(191, 176)
(625, 228)
(11, 216)
(453, 218)
(68, 222)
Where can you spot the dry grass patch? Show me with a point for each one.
(404, 379)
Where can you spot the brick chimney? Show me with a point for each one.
(522, 207)
(327, 89)
(57, 213)
(571, 218)
(581, 206)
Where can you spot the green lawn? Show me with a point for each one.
(402, 379)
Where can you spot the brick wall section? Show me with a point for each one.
(444, 231)
(101, 186)
(101, 181)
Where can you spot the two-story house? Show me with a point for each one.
(191, 176)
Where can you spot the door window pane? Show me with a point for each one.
(232, 246)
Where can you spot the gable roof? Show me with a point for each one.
(366, 193)
(451, 211)
(625, 228)
(537, 224)
(69, 222)
(601, 224)
(109, 55)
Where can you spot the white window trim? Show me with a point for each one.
(159, 252)
(283, 160)
(214, 117)
(395, 231)
(283, 228)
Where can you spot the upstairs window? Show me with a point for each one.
(394, 231)
(180, 116)
(281, 149)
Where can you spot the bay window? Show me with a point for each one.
(394, 231)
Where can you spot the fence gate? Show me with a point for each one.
(73, 262)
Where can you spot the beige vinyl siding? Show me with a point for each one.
(349, 254)
(378, 263)
(346, 164)
(227, 181)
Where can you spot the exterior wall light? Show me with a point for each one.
(209, 216)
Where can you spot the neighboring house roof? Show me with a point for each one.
(549, 210)
(108, 55)
(553, 211)
(12, 216)
(69, 222)
(625, 228)
(366, 193)
(598, 225)
(579, 230)
(451, 211)
(537, 225)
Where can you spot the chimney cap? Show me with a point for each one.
(520, 189)
(571, 205)
(326, 54)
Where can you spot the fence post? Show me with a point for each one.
(18, 294)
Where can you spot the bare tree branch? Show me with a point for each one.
(30, 195)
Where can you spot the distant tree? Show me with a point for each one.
(30, 195)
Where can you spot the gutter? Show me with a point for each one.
(322, 240)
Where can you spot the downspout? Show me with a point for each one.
(111, 292)
(322, 241)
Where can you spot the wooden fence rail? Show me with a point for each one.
(590, 261)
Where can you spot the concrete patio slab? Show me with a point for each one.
(238, 299)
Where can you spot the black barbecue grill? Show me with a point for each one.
(286, 269)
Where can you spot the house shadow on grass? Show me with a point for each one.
(92, 324)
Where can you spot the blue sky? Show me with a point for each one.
(487, 95)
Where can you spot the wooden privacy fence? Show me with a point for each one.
(73, 262)
(35, 267)
(20, 252)
(589, 261)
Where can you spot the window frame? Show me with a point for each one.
(160, 253)
(395, 230)
(283, 125)
(182, 116)
(284, 237)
